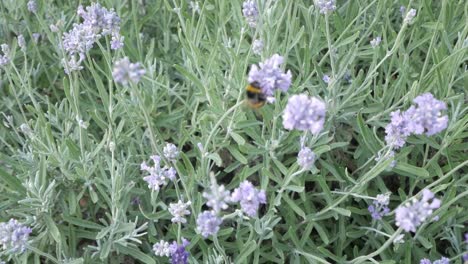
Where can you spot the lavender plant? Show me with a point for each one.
(125, 137)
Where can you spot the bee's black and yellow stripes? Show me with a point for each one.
(255, 97)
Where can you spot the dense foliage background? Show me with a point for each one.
(71, 145)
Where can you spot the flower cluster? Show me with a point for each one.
(249, 198)
(268, 76)
(465, 256)
(379, 208)
(158, 175)
(5, 58)
(257, 46)
(170, 152)
(14, 236)
(97, 22)
(443, 260)
(426, 117)
(250, 12)
(218, 197)
(32, 6)
(409, 17)
(304, 113)
(177, 252)
(125, 72)
(326, 6)
(414, 213)
(326, 78)
(208, 223)
(376, 42)
(305, 158)
(179, 211)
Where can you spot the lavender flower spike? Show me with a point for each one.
(268, 75)
(125, 72)
(326, 6)
(305, 158)
(304, 113)
(414, 213)
(249, 198)
(379, 208)
(218, 197)
(14, 236)
(250, 12)
(208, 223)
(179, 254)
(427, 115)
(179, 211)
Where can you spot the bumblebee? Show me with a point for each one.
(254, 96)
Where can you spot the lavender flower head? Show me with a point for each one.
(14, 236)
(249, 198)
(305, 158)
(414, 213)
(257, 46)
(22, 42)
(157, 176)
(32, 6)
(5, 58)
(379, 208)
(208, 223)
(326, 6)
(179, 211)
(98, 22)
(304, 113)
(179, 254)
(376, 42)
(398, 129)
(125, 72)
(250, 12)
(410, 16)
(162, 249)
(170, 152)
(268, 76)
(443, 260)
(326, 79)
(218, 197)
(117, 41)
(427, 115)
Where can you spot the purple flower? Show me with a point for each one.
(179, 211)
(379, 208)
(410, 16)
(208, 223)
(22, 42)
(170, 152)
(326, 6)
(157, 176)
(305, 158)
(249, 198)
(257, 46)
(117, 41)
(179, 254)
(32, 6)
(5, 58)
(443, 260)
(268, 76)
(125, 72)
(304, 113)
(250, 12)
(326, 78)
(98, 22)
(425, 261)
(162, 249)
(101, 20)
(398, 129)
(414, 213)
(218, 197)
(427, 115)
(14, 236)
(375, 42)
